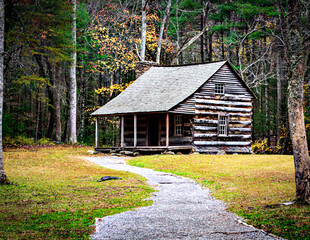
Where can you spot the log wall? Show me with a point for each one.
(144, 126)
(129, 130)
(185, 139)
(206, 106)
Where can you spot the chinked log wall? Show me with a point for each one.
(206, 106)
(238, 139)
(236, 103)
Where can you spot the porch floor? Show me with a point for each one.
(147, 149)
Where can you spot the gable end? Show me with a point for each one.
(234, 89)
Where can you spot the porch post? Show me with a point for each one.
(167, 130)
(135, 130)
(122, 131)
(96, 132)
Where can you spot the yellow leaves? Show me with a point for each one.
(92, 109)
(113, 43)
(116, 35)
(102, 90)
(118, 87)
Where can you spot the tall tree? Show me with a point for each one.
(143, 31)
(295, 30)
(3, 177)
(161, 31)
(205, 28)
(72, 76)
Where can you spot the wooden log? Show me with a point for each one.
(221, 143)
(241, 129)
(96, 132)
(177, 140)
(240, 122)
(217, 102)
(228, 109)
(229, 98)
(199, 112)
(210, 135)
(122, 131)
(203, 128)
(241, 115)
(227, 149)
(197, 120)
(135, 130)
(240, 136)
(131, 132)
(203, 135)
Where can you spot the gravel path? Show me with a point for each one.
(181, 210)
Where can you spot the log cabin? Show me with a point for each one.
(203, 107)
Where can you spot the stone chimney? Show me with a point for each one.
(142, 67)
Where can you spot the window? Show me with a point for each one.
(219, 88)
(222, 127)
(178, 125)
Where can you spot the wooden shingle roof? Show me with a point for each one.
(160, 89)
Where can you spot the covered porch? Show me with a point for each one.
(151, 133)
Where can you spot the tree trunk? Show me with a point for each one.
(279, 93)
(72, 76)
(202, 57)
(51, 111)
(297, 130)
(210, 47)
(267, 112)
(51, 96)
(38, 131)
(161, 32)
(38, 116)
(3, 178)
(57, 104)
(111, 84)
(296, 48)
(143, 34)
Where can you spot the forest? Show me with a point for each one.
(60, 60)
(254, 36)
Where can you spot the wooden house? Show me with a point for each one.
(205, 107)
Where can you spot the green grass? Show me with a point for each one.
(246, 183)
(57, 195)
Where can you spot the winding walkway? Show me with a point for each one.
(181, 210)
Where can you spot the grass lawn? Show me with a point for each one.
(247, 183)
(57, 195)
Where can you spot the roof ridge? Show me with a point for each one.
(188, 64)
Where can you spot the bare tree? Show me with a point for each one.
(279, 92)
(204, 29)
(57, 104)
(73, 98)
(161, 32)
(3, 178)
(143, 34)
